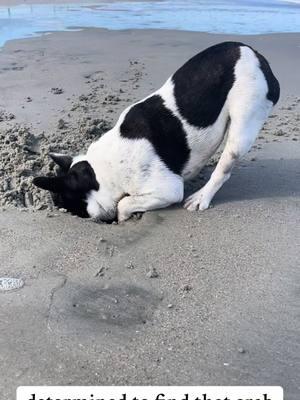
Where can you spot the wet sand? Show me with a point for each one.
(223, 308)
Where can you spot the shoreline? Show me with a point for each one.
(59, 16)
(11, 3)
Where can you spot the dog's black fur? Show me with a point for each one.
(72, 187)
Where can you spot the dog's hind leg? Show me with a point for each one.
(243, 130)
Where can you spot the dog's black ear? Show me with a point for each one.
(63, 160)
(55, 185)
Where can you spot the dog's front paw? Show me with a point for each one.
(123, 213)
(122, 217)
(197, 201)
(134, 216)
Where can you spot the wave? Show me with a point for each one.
(291, 1)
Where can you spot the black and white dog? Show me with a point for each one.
(161, 141)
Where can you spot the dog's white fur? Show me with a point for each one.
(132, 177)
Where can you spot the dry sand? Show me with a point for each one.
(223, 307)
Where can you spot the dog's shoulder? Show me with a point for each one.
(152, 120)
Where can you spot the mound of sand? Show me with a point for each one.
(24, 155)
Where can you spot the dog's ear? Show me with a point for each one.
(63, 160)
(55, 185)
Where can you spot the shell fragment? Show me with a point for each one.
(7, 284)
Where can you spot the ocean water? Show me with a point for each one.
(215, 16)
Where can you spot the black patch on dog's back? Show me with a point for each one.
(202, 84)
(273, 84)
(151, 120)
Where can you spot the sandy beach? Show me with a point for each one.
(175, 298)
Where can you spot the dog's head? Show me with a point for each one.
(76, 187)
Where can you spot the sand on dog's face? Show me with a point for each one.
(24, 155)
